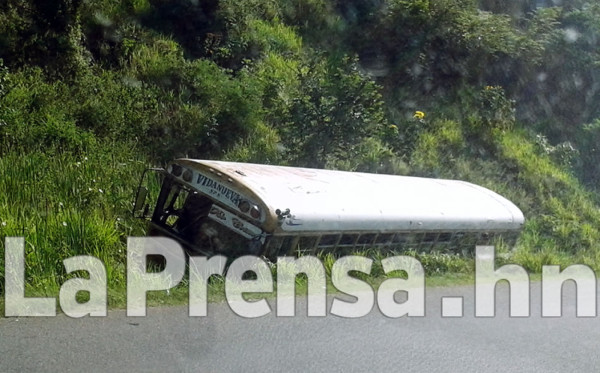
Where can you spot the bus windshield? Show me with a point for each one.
(193, 218)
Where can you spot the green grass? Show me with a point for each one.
(67, 175)
(69, 203)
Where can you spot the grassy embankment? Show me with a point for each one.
(107, 89)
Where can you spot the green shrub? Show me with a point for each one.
(337, 109)
(495, 109)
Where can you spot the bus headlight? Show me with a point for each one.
(244, 206)
(255, 212)
(187, 175)
(176, 170)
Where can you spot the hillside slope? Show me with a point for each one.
(93, 92)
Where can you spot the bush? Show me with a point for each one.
(495, 109)
(337, 109)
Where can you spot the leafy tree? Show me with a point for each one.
(337, 108)
(195, 25)
(516, 9)
(42, 33)
(563, 91)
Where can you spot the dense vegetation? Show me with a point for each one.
(91, 92)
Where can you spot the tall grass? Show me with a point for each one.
(78, 203)
(562, 216)
(67, 204)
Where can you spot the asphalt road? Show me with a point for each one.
(168, 340)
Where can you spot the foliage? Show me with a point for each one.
(437, 148)
(3, 78)
(505, 96)
(42, 33)
(193, 24)
(587, 165)
(335, 110)
(563, 154)
(561, 90)
(67, 204)
(495, 109)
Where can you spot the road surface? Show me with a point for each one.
(168, 340)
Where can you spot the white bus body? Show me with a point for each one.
(280, 210)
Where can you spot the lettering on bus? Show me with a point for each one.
(218, 190)
(239, 225)
(234, 223)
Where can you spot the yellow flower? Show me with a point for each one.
(393, 127)
(419, 115)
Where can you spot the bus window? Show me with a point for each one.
(287, 246)
(348, 240)
(280, 246)
(345, 250)
(366, 239)
(173, 205)
(414, 241)
(383, 238)
(429, 238)
(440, 245)
(346, 244)
(306, 244)
(457, 238)
(467, 244)
(273, 246)
(193, 214)
(444, 237)
(328, 240)
(400, 240)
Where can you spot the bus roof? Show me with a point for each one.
(323, 200)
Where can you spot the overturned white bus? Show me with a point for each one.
(233, 209)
